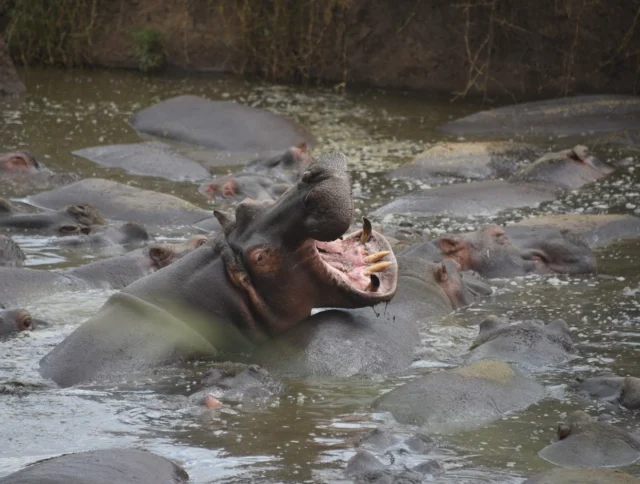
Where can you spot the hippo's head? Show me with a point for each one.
(161, 255)
(290, 256)
(243, 185)
(15, 321)
(79, 219)
(288, 165)
(491, 253)
(462, 288)
(19, 162)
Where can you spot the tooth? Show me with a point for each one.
(366, 230)
(374, 284)
(376, 257)
(380, 266)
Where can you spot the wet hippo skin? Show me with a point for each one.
(261, 276)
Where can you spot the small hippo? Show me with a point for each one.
(529, 344)
(585, 442)
(129, 234)
(615, 389)
(11, 254)
(568, 169)
(362, 341)
(260, 277)
(491, 253)
(17, 284)
(71, 220)
(109, 466)
(117, 201)
(287, 166)
(469, 160)
(15, 321)
(234, 383)
(150, 158)
(582, 476)
(461, 398)
(235, 188)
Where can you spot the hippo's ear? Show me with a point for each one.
(230, 188)
(5, 206)
(451, 244)
(490, 323)
(302, 147)
(160, 255)
(227, 222)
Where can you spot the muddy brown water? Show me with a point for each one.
(306, 434)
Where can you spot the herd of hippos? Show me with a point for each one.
(245, 291)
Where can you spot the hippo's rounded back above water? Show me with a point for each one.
(222, 125)
(554, 117)
(110, 466)
(123, 202)
(583, 476)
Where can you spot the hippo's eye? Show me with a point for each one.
(264, 260)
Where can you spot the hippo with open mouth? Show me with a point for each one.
(262, 275)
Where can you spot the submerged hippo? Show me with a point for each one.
(150, 159)
(236, 188)
(287, 166)
(129, 234)
(11, 254)
(475, 160)
(70, 220)
(113, 273)
(615, 389)
(260, 277)
(491, 253)
(123, 202)
(227, 127)
(596, 230)
(365, 341)
(110, 466)
(462, 398)
(531, 345)
(569, 169)
(554, 117)
(15, 321)
(585, 442)
(582, 476)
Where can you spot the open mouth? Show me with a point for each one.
(362, 263)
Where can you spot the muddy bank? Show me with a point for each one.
(507, 48)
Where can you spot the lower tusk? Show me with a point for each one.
(380, 266)
(376, 257)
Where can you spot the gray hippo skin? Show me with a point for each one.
(482, 198)
(236, 383)
(554, 117)
(129, 234)
(461, 398)
(235, 188)
(286, 166)
(491, 253)
(569, 169)
(584, 442)
(149, 159)
(70, 220)
(111, 466)
(123, 202)
(596, 230)
(370, 341)
(11, 254)
(582, 476)
(18, 285)
(261, 276)
(530, 345)
(475, 161)
(221, 125)
(615, 389)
